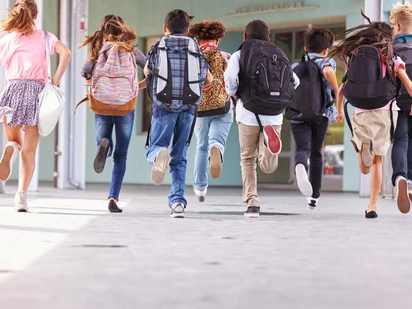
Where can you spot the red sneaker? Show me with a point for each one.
(272, 140)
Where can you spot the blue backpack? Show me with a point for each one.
(178, 70)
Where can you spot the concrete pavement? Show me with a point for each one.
(69, 252)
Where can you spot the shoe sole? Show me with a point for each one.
(177, 216)
(201, 199)
(5, 169)
(305, 187)
(273, 142)
(116, 210)
(251, 215)
(311, 207)
(402, 196)
(366, 155)
(160, 166)
(101, 156)
(215, 162)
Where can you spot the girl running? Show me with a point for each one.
(371, 127)
(215, 113)
(113, 33)
(23, 52)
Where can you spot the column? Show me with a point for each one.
(72, 128)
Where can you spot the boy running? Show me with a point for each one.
(254, 144)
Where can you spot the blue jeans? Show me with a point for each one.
(401, 151)
(210, 131)
(123, 129)
(175, 128)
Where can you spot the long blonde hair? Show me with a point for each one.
(21, 18)
(112, 29)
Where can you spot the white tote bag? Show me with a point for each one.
(51, 100)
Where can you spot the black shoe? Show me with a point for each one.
(113, 207)
(101, 155)
(252, 212)
(371, 215)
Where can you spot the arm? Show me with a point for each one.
(330, 77)
(142, 84)
(146, 69)
(339, 104)
(65, 55)
(232, 74)
(209, 78)
(87, 70)
(140, 58)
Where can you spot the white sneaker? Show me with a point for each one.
(10, 154)
(20, 202)
(402, 196)
(200, 194)
(312, 202)
(304, 184)
(177, 210)
(160, 166)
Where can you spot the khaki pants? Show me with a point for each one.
(252, 147)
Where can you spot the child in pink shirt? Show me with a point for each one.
(23, 52)
(372, 128)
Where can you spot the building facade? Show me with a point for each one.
(287, 19)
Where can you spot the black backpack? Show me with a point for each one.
(309, 101)
(404, 50)
(265, 78)
(365, 86)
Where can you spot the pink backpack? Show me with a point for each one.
(115, 83)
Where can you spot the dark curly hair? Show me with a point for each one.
(208, 30)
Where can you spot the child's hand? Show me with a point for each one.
(339, 116)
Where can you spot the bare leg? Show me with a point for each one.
(376, 182)
(28, 155)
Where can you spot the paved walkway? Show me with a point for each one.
(68, 252)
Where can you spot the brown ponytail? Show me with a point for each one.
(112, 29)
(21, 18)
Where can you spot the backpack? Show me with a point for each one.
(404, 51)
(309, 101)
(366, 86)
(265, 78)
(215, 100)
(114, 84)
(178, 70)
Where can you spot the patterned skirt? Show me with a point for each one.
(19, 102)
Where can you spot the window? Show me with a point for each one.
(146, 101)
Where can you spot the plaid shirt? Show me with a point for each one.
(177, 63)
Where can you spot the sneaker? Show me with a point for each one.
(302, 179)
(402, 196)
(272, 140)
(200, 194)
(101, 155)
(113, 208)
(20, 202)
(160, 166)
(312, 202)
(177, 210)
(252, 212)
(366, 153)
(410, 189)
(10, 154)
(215, 158)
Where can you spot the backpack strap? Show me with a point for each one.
(347, 117)
(392, 124)
(86, 98)
(259, 122)
(192, 128)
(148, 130)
